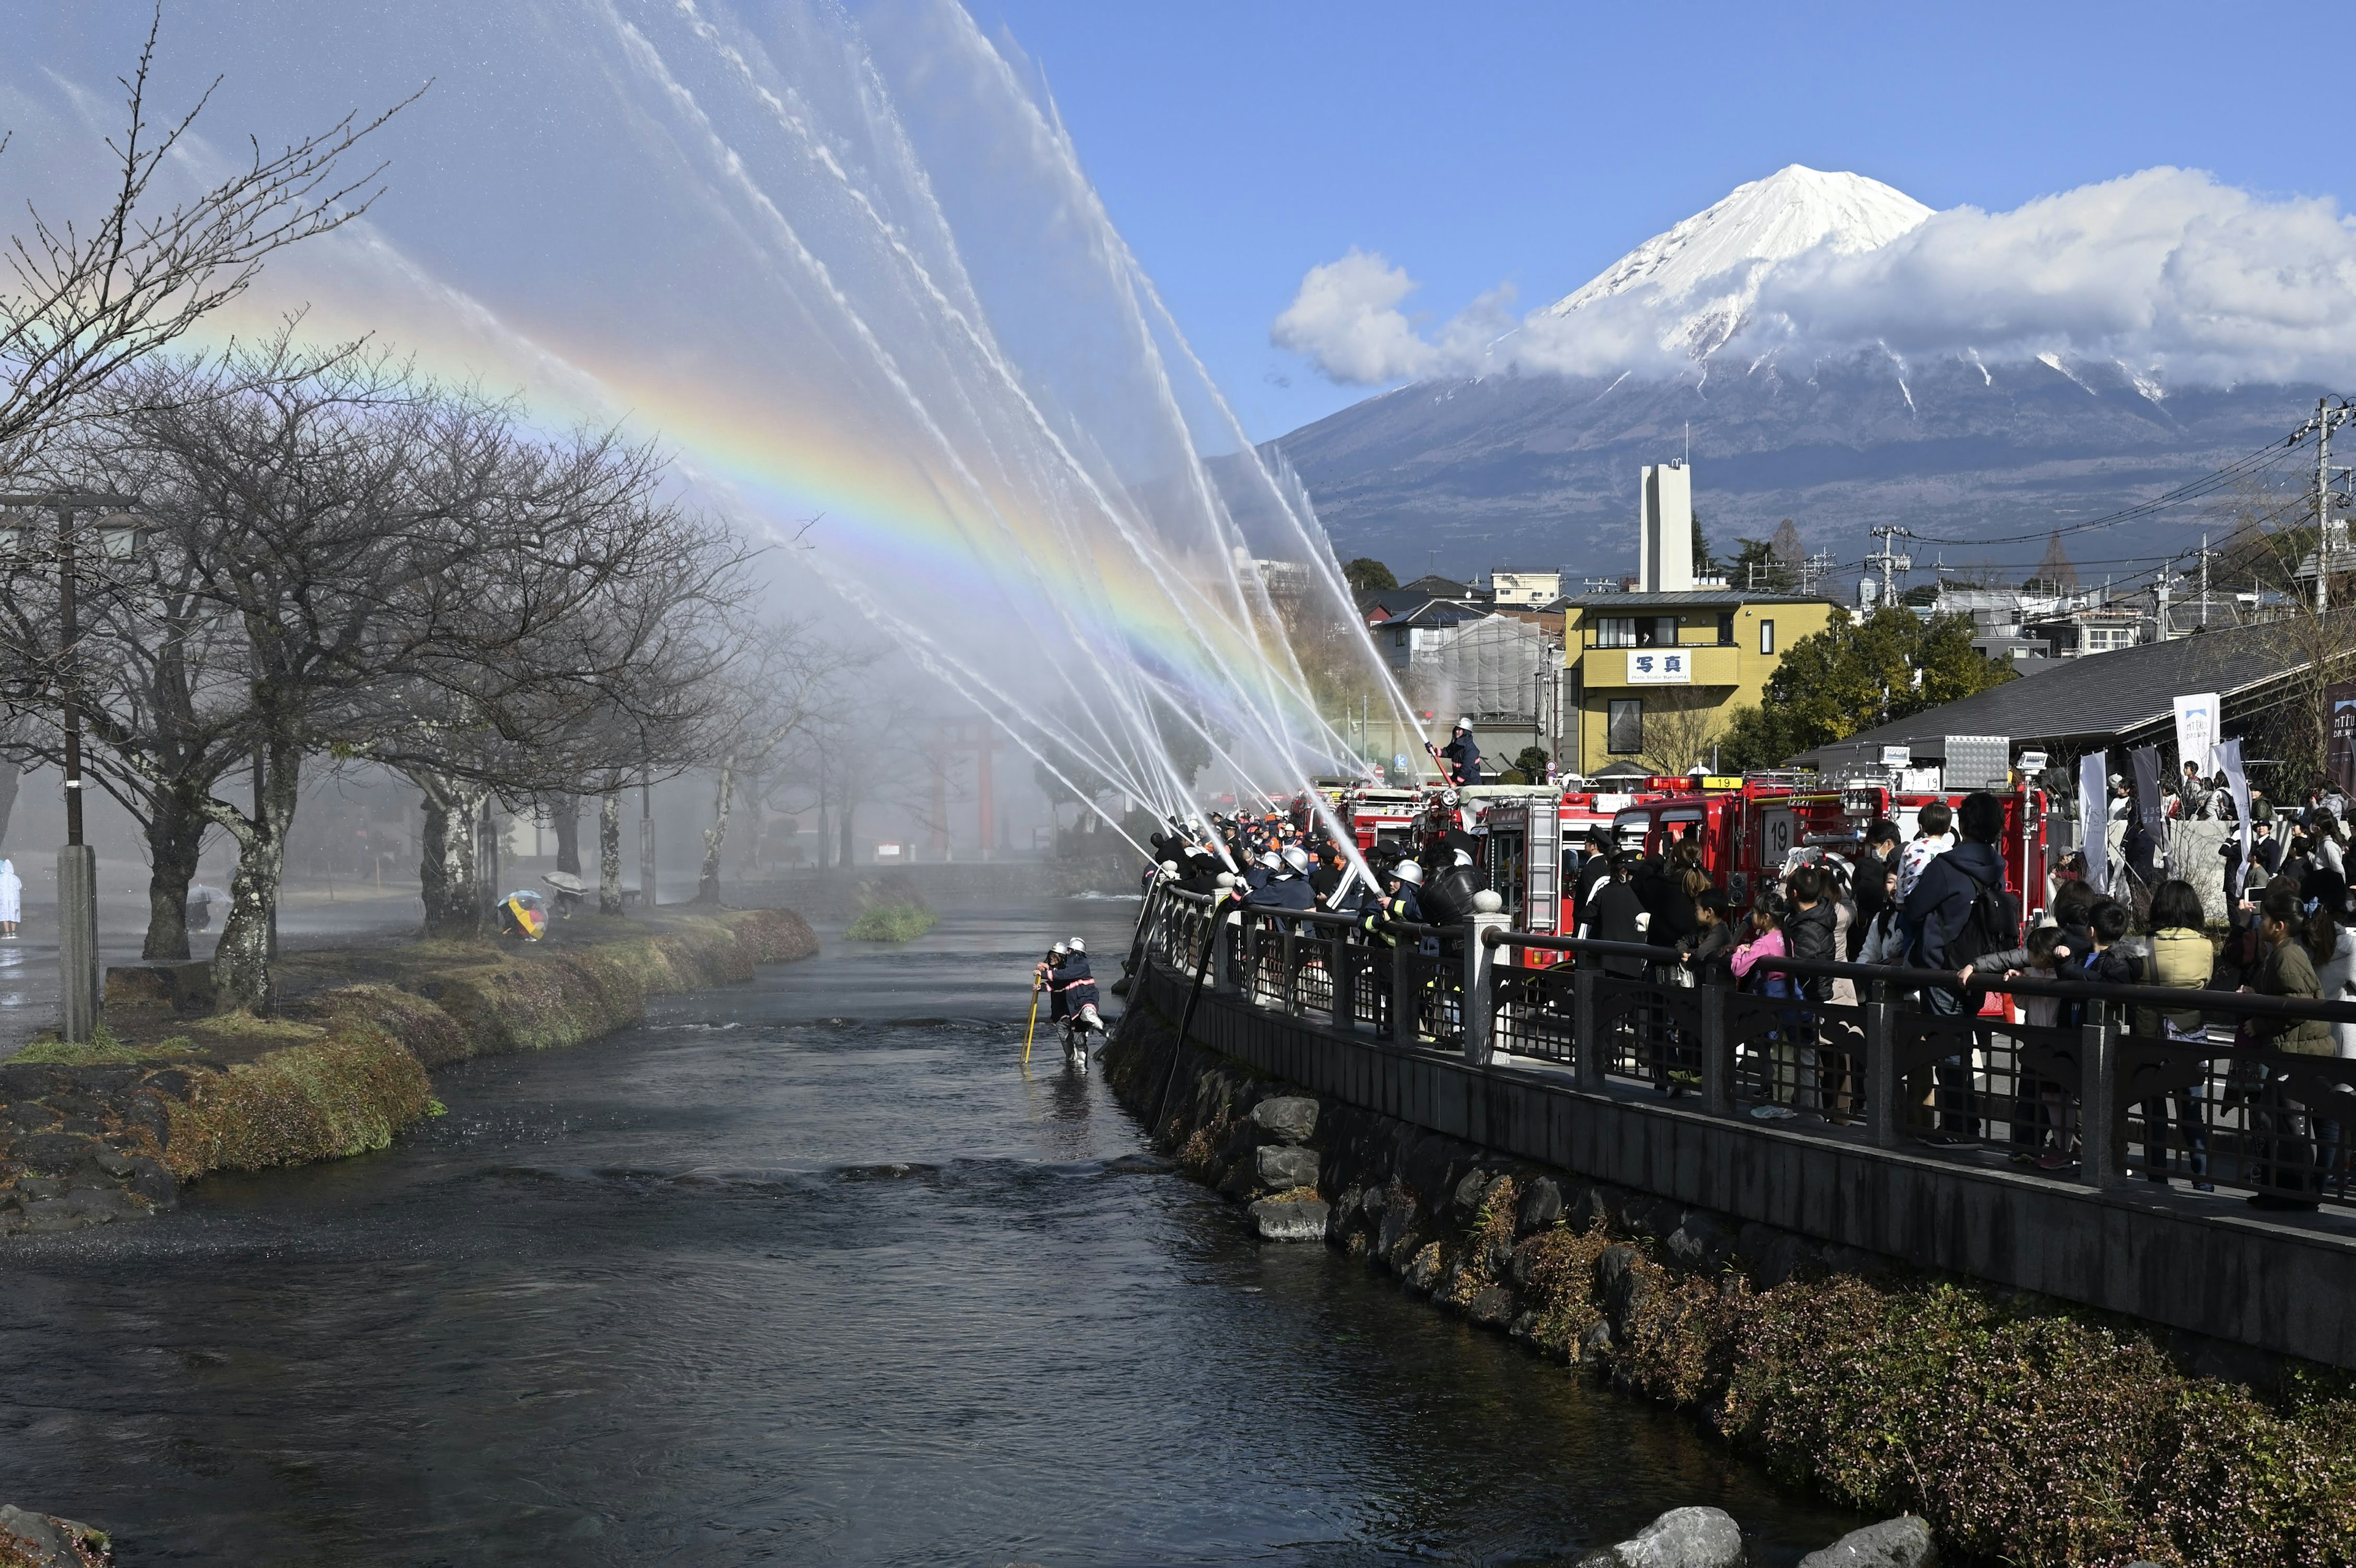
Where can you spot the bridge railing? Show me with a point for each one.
(2077, 1081)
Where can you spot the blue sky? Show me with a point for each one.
(1239, 145)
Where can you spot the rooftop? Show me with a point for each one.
(1695, 599)
(2104, 698)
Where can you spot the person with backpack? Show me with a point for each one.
(1957, 911)
(2294, 938)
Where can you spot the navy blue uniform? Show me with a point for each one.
(1077, 983)
(1282, 890)
(1464, 754)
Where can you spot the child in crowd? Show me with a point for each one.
(2037, 1104)
(1931, 838)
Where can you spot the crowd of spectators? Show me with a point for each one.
(1934, 909)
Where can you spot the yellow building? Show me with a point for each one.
(1655, 676)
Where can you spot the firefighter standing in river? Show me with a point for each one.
(1073, 985)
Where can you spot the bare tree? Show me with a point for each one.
(1679, 731)
(779, 683)
(83, 302)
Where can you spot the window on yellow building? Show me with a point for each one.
(1726, 630)
(1766, 637)
(1623, 731)
(1615, 632)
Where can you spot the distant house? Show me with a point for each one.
(1385, 604)
(1521, 590)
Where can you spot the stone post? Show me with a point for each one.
(1885, 1117)
(1717, 1052)
(78, 986)
(1481, 977)
(1587, 1050)
(2098, 1107)
(1225, 916)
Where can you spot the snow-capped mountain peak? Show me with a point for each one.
(1710, 266)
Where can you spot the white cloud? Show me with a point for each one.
(2167, 269)
(2182, 278)
(1346, 320)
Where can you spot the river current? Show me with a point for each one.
(803, 1272)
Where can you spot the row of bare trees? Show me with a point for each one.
(340, 563)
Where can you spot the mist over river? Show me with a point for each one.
(807, 1271)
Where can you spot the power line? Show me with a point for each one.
(2192, 490)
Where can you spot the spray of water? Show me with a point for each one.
(848, 263)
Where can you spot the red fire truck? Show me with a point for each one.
(1750, 835)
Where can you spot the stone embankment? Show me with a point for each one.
(2023, 1430)
(111, 1132)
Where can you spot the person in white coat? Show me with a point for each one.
(12, 899)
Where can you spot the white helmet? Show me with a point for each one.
(1409, 871)
(1169, 868)
(1059, 947)
(1465, 722)
(1078, 945)
(1271, 860)
(1297, 858)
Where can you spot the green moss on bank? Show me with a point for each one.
(892, 923)
(353, 1072)
(2024, 1431)
(104, 1049)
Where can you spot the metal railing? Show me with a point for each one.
(2078, 1081)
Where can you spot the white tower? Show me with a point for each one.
(1665, 524)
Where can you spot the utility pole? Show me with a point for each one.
(2204, 582)
(1889, 561)
(78, 988)
(2323, 423)
(2326, 418)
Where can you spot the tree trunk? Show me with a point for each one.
(568, 834)
(10, 773)
(175, 837)
(843, 815)
(609, 854)
(715, 837)
(751, 859)
(241, 962)
(446, 864)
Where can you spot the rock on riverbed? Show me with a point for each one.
(44, 1540)
(1902, 1543)
(1681, 1538)
(1709, 1538)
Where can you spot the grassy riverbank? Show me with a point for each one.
(345, 1063)
(2027, 1432)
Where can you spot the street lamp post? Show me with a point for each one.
(78, 971)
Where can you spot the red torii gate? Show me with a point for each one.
(953, 737)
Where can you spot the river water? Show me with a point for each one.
(807, 1271)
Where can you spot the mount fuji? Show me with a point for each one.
(1710, 340)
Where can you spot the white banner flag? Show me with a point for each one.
(2196, 733)
(2094, 818)
(2228, 757)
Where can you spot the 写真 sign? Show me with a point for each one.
(1660, 666)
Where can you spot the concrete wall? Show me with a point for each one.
(2242, 1277)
